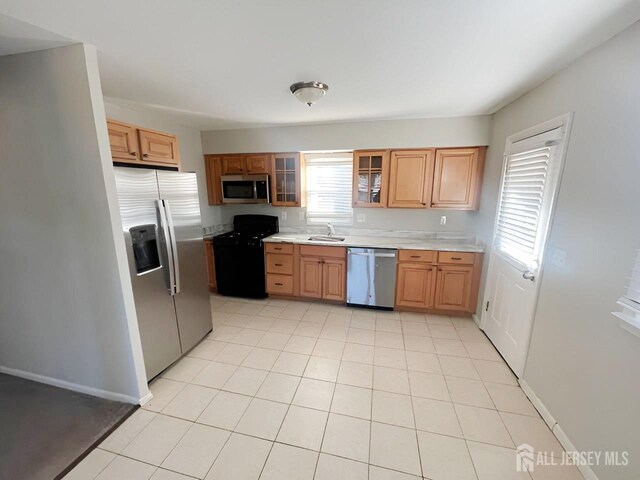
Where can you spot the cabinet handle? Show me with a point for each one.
(279, 284)
(415, 256)
(133, 154)
(278, 248)
(145, 154)
(456, 258)
(278, 264)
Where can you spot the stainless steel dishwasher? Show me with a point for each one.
(371, 277)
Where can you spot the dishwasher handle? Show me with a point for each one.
(376, 255)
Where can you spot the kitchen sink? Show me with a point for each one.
(326, 238)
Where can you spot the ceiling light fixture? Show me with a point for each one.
(309, 92)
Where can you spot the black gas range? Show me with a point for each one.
(239, 256)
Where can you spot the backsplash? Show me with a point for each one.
(404, 223)
(422, 221)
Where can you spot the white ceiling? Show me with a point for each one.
(228, 63)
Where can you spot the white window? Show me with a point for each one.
(329, 188)
(526, 197)
(630, 301)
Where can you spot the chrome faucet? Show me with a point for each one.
(332, 231)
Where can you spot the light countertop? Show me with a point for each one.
(448, 245)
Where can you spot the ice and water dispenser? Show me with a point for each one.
(145, 248)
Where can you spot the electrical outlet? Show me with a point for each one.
(443, 220)
(283, 215)
(361, 217)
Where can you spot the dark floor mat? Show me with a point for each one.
(45, 429)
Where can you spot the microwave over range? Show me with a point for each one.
(245, 189)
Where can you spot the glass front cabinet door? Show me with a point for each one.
(286, 188)
(370, 178)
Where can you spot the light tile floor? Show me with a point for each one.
(291, 390)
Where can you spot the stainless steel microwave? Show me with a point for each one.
(245, 189)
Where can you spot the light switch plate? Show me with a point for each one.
(443, 220)
(361, 217)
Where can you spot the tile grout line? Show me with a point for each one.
(335, 383)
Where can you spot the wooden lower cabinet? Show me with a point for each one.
(281, 268)
(211, 265)
(438, 281)
(334, 279)
(311, 277)
(415, 285)
(453, 288)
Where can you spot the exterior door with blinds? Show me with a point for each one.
(530, 179)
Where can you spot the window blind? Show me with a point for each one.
(525, 198)
(329, 188)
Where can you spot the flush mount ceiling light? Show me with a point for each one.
(309, 92)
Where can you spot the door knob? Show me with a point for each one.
(528, 276)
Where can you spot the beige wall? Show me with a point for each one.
(67, 314)
(433, 132)
(581, 364)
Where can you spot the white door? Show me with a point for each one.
(530, 178)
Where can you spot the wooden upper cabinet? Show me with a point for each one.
(457, 178)
(454, 288)
(233, 165)
(123, 140)
(334, 277)
(213, 169)
(286, 180)
(370, 178)
(311, 277)
(140, 146)
(415, 285)
(410, 178)
(257, 164)
(158, 148)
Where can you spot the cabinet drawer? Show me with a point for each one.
(280, 263)
(462, 258)
(282, 284)
(424, 256)
(320, 251)
(279, 248)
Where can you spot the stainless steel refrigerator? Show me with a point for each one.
(163, 233)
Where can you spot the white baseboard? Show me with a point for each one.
(146, 398)
(476, 319)
(96, 392)
(556, 429)
(568, 445)
(544, 413)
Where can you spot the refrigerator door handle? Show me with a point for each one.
(174, 247)
(165, 229)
